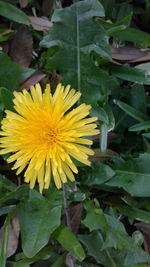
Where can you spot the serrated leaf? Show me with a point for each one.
(97, 174)
(13, 13)
(68, 240)
(67, 34)
(133, 176)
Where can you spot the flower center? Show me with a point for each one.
(49, 135)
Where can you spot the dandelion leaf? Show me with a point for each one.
(74, 44)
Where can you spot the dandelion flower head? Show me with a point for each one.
(44, 135)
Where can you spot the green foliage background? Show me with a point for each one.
(114, 223)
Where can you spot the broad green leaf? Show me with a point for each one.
(45, 253)
(68, 240)
(78, 68)
(137, 115)
(133, 35)
(12, 74)
(97, 174)
(131, 74)
(13, 13)
(38, 218)
(140, 126)
(6, 98)
(133, 176)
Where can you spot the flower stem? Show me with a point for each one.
(68, 221)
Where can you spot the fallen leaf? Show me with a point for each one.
(40, 24)
(13, 236)
(102, 156)
(127, 53)
(32, 80)
(21, 46)
(47, 7)
(145, 229)
(142, 59)
(75, 215)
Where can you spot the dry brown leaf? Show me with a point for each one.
(40, 24)
(127, 53)
(13, 236)
(101, 156)
(21, 46)
(142, 59)
(145, 229)
(75, 215)
(47, 7)
(32, 80)
(23, 3)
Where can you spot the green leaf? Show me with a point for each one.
(45, 253)
(140, 126)
(12, 74)
(38, 218)
(131, 74)
(95, 221)
(137, 97)
(93, 243)
(137, 115)
(6, 209)
(18, 193)
(97, 174)
(59, 262)
(6, 98)
(114, 237)
(11, 12)
(6, 185)
(78, 68)
(68, 240)
(134, 213)
(133, 176)
(133, 35)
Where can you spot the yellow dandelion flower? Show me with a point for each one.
(44, 135)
